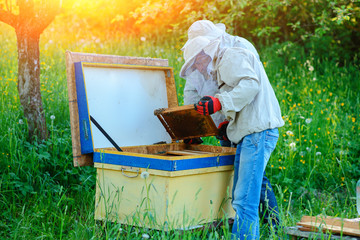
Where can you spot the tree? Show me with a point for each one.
(30, 19)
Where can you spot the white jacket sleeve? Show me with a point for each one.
(236, 70)
(191, 95)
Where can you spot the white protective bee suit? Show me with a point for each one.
(236, 77)
(229, 68)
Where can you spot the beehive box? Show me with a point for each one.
(146, 176)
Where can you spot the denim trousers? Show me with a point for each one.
(252, 154)
(268, 208)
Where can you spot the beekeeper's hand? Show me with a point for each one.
(208, 105)
(222, 131)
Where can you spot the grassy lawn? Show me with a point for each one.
(313, 170)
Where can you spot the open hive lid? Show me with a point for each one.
(119, 94)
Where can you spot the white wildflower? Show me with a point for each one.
(289, 133)
(21, 121)
(144, 175)
(308, 149)
(314, 79)
(145, 236)
(318, 153)
(308, 120)
(143, 39)
(292, 145)
(52, 117)
(311, 68)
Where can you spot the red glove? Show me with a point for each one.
(222, 131)
(208, 105)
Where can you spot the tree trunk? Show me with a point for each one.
(29, 80)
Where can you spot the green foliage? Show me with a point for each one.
(326, 27)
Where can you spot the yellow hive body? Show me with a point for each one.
(163, 200)
(165, 186)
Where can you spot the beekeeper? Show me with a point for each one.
(226, 79)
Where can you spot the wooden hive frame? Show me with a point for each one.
(185, 122)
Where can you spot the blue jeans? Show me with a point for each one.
(252, 155)
(268, 208)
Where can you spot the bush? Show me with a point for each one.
(330, 28)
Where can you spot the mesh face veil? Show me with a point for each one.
(202, 63)
(199, 54)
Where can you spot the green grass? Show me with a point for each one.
(313, 170)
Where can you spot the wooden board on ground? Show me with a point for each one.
(297, 232)
(330, 224)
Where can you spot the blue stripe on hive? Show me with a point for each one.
(161, 164)
(84, 118)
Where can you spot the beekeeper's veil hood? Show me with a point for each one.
(206, 29)
(195, 46)
(202, 35)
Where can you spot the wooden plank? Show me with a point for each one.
(78, 158)
(296, 232)
(306, 229)
(336, 225)
(187, 152)
(181, 153)
(331, 228)
(167, 128)
(177, 108)
(71, 57)
(213, 149)
(332, 221)
(199, 152)
(171, 89)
